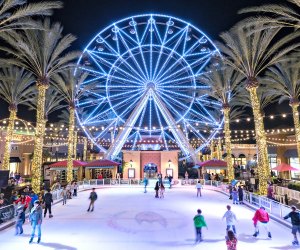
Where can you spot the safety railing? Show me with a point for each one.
(7, 213)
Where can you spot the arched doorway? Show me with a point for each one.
(150, 170)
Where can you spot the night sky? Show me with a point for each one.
(85, 18)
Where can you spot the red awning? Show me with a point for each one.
(102, 163)
(285, 167)
(65, 163)
(212, 163)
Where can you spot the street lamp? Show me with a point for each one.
(169, 163)
(131, 163)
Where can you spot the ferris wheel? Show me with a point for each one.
(144, 82)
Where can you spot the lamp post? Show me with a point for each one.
(169, 163)
(131, 163)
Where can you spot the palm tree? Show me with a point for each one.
(285, 79)
(222, 81)
(67, 83)
(15, 86)
(42, 53)
(251, 51)
(275, 15)
(16, 14)
(54, 102)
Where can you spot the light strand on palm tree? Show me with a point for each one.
(230, 170)
(263, 162)
(219, 151)
(9, 135)
(71, 145)
(39, 137)
(295, 105)
(85, 145)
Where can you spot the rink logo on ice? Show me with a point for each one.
(147, 221)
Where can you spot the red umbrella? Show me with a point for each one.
(212, 163)
(102, 163)
(65, 163)
(285, 167)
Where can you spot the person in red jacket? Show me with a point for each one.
(261, 220)
(24, 200)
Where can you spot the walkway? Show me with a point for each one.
(126, 218)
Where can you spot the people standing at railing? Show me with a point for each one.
(69, 194)
(241, 194)
(235, 199)
(199, 222)
(270, 192)
(261, 220)
(93, 197)
(199, 187)
(295, 219)
(230, 218)
(48, 200)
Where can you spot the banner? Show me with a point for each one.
(7, 213)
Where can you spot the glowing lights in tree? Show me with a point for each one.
(39, 136)
(156, 54)
(71, 145)
(9, 135)
(261, 141)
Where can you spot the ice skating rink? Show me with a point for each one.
(128, 219)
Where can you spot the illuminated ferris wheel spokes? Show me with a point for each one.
(143, 82)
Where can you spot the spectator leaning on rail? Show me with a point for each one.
(295, 219)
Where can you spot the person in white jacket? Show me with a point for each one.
(230, 219)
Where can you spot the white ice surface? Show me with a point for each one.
(128, 219)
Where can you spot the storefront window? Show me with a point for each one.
(294, 162)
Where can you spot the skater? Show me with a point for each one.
(230, 219)
(20, 220)
(93, 197)
(294, 215)
(64, 194)
(156, 188)
(145, 184)
(161, 190)
(261, 219)
(199, 222)
(36, 218)
(235, 196)
(75, 189)
(241, 194)
(47, 200)
(199, 187)
(170, 180)
(230, 191)
(231, 240)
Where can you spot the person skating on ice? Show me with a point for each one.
(231, 240)
(294, 215)
(230, 219)
(199, 222)
(199, 187)
(36, 219)
(261, 220)
(93, 197)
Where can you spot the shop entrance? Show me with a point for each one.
(101, 173)
(150, 170)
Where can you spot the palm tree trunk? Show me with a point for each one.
(263, 162)
(227, 132)
(71, 145)
(295, 106)
(75, 145)
(9, 135)
(85, 144)
(39, 137)
(219, 149)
